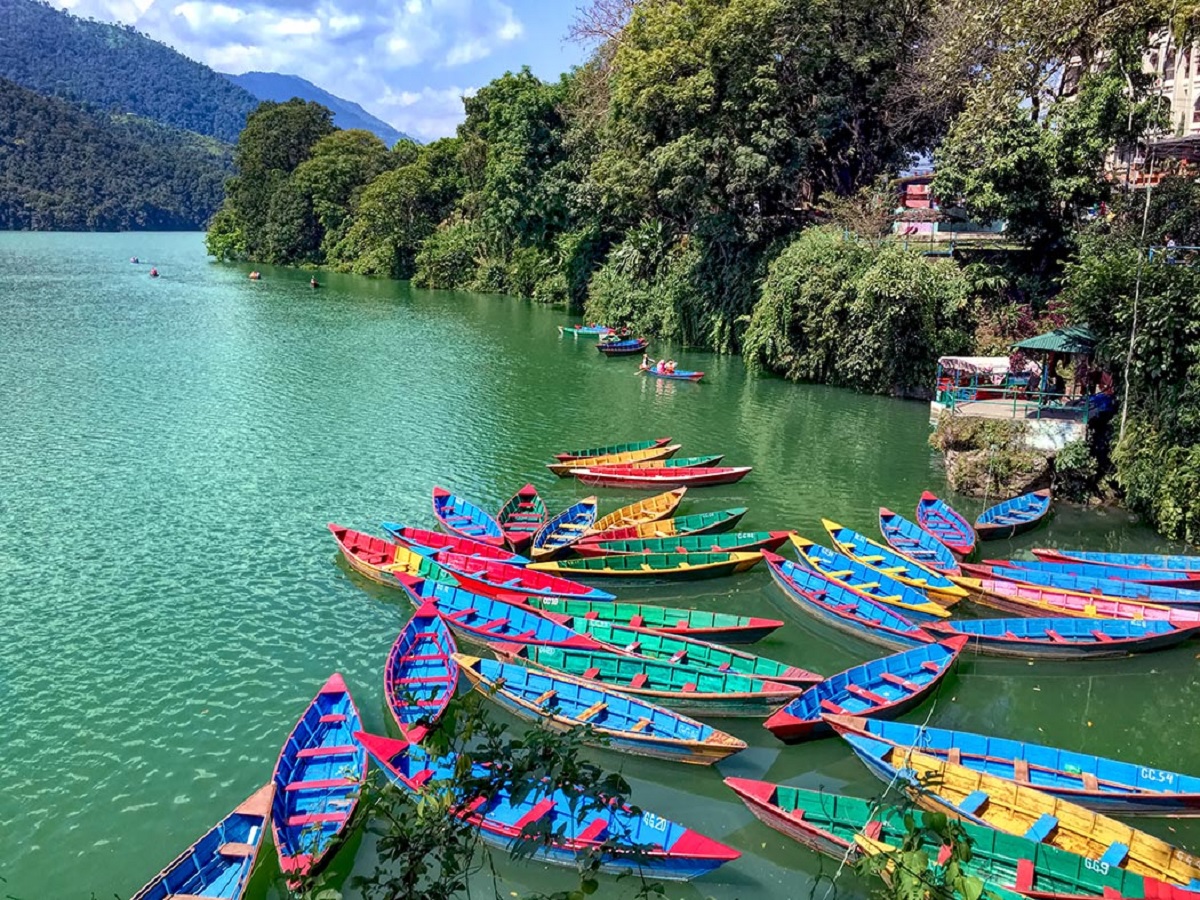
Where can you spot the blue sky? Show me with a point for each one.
(407, 61)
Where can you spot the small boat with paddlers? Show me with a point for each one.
(886, 560)
(940, 519)
(674, 374)
(912, 603)
(674, 648)
(1064, 638)
(650, 568)
(725, 628)
(421, 673)
(495, 579)
(1105, 785)
(563, 530)
(634, 478)
(466, 519)
(622, 347)
(1136, 574)
(563, 468)
(717, 522)
(219, 864)
(317, 781)
(1176, 563)
(521, 516)
(1013, 517)
(378, 559)
(577, 331)
(621, 723)
(1031, 599)
(729, 542)
(1082, 584)
(610, 449)
(425, 542)
(579, 827)
(882, 688)
(652, 509)
(691, 690)
(843, 608)
(911, 540)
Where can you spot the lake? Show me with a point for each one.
(172, 449)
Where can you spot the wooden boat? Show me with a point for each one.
(424, 541)
(563, 468)
(850, 573)
(1023, 810)
(1137, 574)
(1064, 638)
(653, 567)
(317, 781)
(652, 509)
(730, 542)
(888, 561)
(1105, 785)
(620, 723)
(1013, 517)
(561, 532)
(1134, 560)
(495, 579)
(1030, 599)
(380, 560)
(219, 863)
(698, 523)
(882, 688)
(521, 516)
(421, 674)
(1084, 584)
(836, 826)
(464, 518)
(610, 449)
(656, 479)
(680, 462)
(939, 519)
(678, 374)
(691, 652)
(622, 348)
(691, 690)
(485, 619)
(726, 628)
(581, 825)
(909, 539)
(843, 608)
(584, 330)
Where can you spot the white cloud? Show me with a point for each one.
(289, 27)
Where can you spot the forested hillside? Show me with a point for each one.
(65, 169)
(113, 68)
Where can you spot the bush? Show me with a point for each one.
(447, 258)
(1161, 480)
(965, 433)
(1075, 472)
(618, 297)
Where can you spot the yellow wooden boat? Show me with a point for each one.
(563, 469)
(891, 562)
(1024, 810)
(652, 509)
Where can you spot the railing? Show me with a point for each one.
(1019, 402)
(1182, 255)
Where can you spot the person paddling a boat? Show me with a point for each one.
(647, 362)
(312, 282)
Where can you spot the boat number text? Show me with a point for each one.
(1157, 775)
(1096, 866)
(658, 823)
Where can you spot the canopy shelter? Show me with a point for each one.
(1071, 339)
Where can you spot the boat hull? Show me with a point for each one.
(1048, 648)
(682, 526)
(684, 622)
(658, 479)
(996, 523)
(945, 524)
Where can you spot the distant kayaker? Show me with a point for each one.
(153, 272)
(312, 282)
(647, 362)
(254, 276)
(134, 260)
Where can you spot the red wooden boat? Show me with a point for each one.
(659, 479)
(422, 539)
(495, 579)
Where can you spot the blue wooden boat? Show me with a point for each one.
(563, 530)
(622, 348)
(1013, 517)
(913, 604)
(1174, 563)
(1105, 785)
(1163, 577)
(881, 688)
(844, 609)
(618, 722)
(1108, 587)
(421, 673)
(678, 374)
(885, 559)
(485, 619)
(1063, 638)
(427, 543)
(466, 519)
(219, 864)
(911, 540)
(580, 824)
(939, 519)
(317, 781)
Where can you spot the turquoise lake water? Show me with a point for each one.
(171, 451)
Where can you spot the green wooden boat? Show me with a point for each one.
(652, 567)
(675, 649)
(627, 447)
(833, 824)
(726, 628)
(689, 690)
(699, 523)
(730, 542)
(686, 462)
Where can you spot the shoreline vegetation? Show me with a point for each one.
(718, 174)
